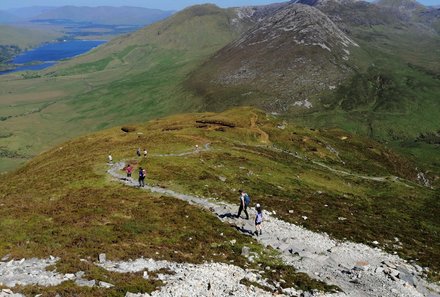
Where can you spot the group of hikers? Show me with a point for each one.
(245, 201)
(244, 197)
(142, 171)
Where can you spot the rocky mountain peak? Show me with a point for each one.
(287, 58)
(324, 2)
(302, 24)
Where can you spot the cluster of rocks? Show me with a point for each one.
(357, 269)
(209, 279)
(27, 272)
(9, 293)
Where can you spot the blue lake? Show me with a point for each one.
(49, 54)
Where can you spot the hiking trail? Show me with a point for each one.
(359, 270)
(264, 137)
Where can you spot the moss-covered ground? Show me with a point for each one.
(62, 203)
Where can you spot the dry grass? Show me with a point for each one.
(63, 204)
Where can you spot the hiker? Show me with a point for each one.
(244, 202)
(129, 170)
(138, 152)
(145, 153)
(258, 219)
(141, 177)
(197, 148)
(110, 159)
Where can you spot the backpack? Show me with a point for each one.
(247, 199)
(141, 173)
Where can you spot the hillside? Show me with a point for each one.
(325, 180)
(282, 62)
(13, 40)
(109, 15)
(24, 37)
(405, 8)
(382, 84)
(347, 64)
(133, 77)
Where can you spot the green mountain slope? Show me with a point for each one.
(385, 87)
(72, 210)
(24, 37)
(132, 78)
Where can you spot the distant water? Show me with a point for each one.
(49, 54)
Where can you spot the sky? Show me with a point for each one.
(160, 4)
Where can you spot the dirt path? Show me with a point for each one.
(264, 137)
(359, 270)
(390, 178)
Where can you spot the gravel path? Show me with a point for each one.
(359, 270)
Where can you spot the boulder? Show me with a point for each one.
(102, 258)
(245, 251)
(105, 285)
(85, 283)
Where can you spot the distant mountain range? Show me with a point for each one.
(27, 13)
(106, 15)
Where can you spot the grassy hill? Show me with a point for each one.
(62, 203)
(132, 78)
(25, 37)
(385, 88)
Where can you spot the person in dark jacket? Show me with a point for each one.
(244, 202)
(141, 177)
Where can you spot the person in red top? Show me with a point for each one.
(129, 170)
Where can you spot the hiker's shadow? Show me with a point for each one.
(236, 223)
(244, 230)
(228, 215)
